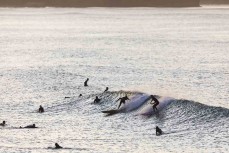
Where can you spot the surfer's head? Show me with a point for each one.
(4, 122)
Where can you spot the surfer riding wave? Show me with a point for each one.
(122, 100)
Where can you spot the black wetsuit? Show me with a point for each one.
(41, 109)
(85, 83)
(156, 102)
(96, 100)
(122, 100)
(158, 131)
(106, 89)
(3, 123)
(31, 126)
(58, 146)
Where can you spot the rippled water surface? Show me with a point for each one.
(47, 53)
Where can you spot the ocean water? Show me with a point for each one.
(180, 54)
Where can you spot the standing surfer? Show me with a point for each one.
(156, 102)
(122, 100)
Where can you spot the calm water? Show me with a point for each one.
(46, 54)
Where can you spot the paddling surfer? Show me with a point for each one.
(29, 126)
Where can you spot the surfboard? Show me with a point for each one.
(111, 112)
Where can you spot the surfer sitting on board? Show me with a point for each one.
(97, 99)
(41, 109)
(156, 102)
(122, 100)
(57, 146)
(158, 131)
(85, 82)
(3, 123)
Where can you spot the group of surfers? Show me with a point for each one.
(97, 100)
(123, 100)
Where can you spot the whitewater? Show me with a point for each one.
(180, 55)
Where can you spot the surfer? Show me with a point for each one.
(158, 131)
(57, 146)
(97, 99)
(30, 126)
(106, 89)
(80, 95)
(85, 82)
(3, 123)
(156, 102)
(122, 100)
(41, 109)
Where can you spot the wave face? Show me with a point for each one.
(178, 111)
(139, 102)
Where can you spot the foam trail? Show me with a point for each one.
(148, 109)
